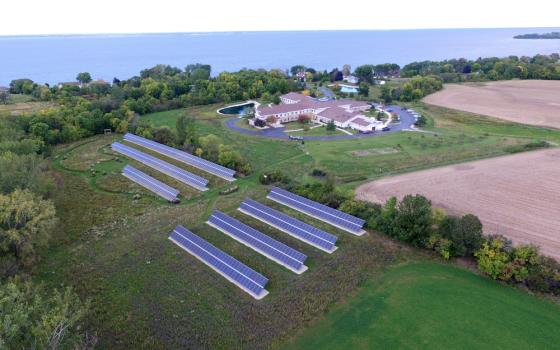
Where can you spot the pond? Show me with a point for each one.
(237, 109)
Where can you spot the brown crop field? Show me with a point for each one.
(534, 102)
(517, 195)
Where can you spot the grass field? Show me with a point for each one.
(434, 306)
(21, 104)
(147, 293)
(319, 131)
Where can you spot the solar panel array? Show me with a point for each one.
(181, 156)
(258, 241)
(175, 172)
(319, 211)
(154, 185)
(232, 269)
(300, 230)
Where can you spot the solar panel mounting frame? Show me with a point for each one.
(358, 233)
(131, 173)
(329, 251)
(259, 296)
(297, 271)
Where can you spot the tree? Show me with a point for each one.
(271, 119)
(388, 215)
(21, 86)
(25, 224)
(365, 72)
(493, 257)
(464, 232)
(386, 94)
(186, 131)
(335, 75)
(346, 70)
(363, 89)
(163, 134)
(32, 318)
(331, 126)
(260, 123)
(297, 69)
(210, 144)
(4, 96)
(83, 78)
(304, 118)
(24, 171)
(413, 222)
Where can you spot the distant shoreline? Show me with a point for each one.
(228, 32)
(546, 36)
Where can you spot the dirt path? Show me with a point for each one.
(517, 196)
(534, 102)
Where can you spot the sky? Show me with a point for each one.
(159, 16)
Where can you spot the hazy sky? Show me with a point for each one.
(133, 16)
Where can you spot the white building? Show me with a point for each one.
(351, 79)
(343, 113)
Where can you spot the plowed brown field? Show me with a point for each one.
(517, 196)
(534, 102)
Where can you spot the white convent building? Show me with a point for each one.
(344, 113)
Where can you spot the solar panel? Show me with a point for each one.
(267, 246)
(232, 269)
(319, 211)
(175, 172)
(298, 229)
(154, 185)
(181, 156)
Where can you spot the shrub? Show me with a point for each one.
(274, 177)
(318, 173)
(493, 256)
(440, 245)
(464, 232)
(413, 222)
(325, 193)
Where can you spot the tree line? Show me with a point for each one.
(31, 315)
(491, 68)
(89, 107)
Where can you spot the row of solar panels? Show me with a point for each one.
(181, 156)
(240, 274)
(164, 167)
(148, 182)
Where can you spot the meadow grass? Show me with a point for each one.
(433, 306)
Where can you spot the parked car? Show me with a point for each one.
(298, 138)
(386, 128)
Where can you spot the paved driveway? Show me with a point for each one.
(406, 122)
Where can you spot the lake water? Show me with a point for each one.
(55, 59)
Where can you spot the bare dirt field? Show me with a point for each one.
(535, 102)
(517, 196)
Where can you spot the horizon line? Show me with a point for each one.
(255, 31)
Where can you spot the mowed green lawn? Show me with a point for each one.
(434, 306)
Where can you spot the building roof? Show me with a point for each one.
(296, 96)
(100, 82)
(283, 108)
(361, 121)
(70, 83)
(347, 102)
(338, 114)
